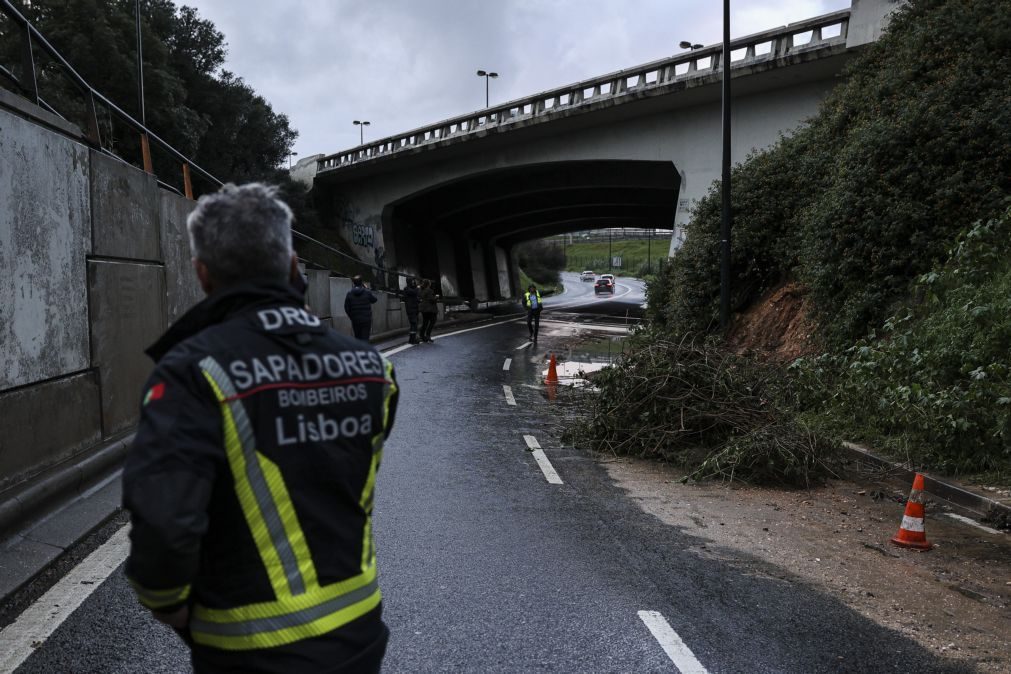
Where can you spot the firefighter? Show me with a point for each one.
(532, 303)
(250, 481)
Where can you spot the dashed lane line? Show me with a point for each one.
(549, 471)
(676, 650)
(23, 636)
(508, 390)
(523, 346)
(506, 364)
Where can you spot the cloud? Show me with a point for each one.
(406, 63)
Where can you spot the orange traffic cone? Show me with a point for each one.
(552, 371)
(911, 531)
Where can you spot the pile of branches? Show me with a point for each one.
(710, 411)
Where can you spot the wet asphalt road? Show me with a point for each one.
(485, 567)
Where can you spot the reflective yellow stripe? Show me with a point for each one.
(250, 508)
(368, 541)
(286, 620)
(264, 498)
(289, 519)
(155, 599)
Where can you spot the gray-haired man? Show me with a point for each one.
(251, 478)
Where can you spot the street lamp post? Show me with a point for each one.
(685, 44)
(290, 155)
(486, 75)
(726, 215)
(361, 124)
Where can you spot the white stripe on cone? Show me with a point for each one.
(912, 523)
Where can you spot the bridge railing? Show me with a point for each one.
(826, 31)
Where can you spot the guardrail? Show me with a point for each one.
(28, 86)
(822, 32)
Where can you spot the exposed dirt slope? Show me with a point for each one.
(778, 325)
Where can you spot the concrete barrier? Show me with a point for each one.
(99, 265)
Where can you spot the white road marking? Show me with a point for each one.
(523, 345)
(402, 347)
(549, 471)
(972, 522)
(508, 390)
(676, 650)
(23, 636)
(507, 363)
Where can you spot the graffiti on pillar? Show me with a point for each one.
(364, 233)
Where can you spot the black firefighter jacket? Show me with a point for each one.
(358, 304)
(250, 481)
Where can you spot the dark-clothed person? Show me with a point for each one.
(412, 303)
(429, 310)
(358, 306)
(533, 304)
(251, 478)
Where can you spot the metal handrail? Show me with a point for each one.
(571, 96)
(30, 89)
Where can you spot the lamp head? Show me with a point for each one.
(481, 73)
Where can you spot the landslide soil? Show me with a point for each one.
(954, 600)
(777, 326)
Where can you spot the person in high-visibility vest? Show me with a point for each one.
(532, 303)
(251, 478)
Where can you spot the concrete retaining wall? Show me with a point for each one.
(96, 264)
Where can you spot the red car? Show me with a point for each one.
(604, 285)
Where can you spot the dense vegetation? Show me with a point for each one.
(205, 112)
(911, 149)
(890, 208)
(639, 258)
(540, 261)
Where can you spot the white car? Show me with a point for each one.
(587, 276)
(609, 277)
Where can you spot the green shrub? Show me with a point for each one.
(913, 147)
(936, 384)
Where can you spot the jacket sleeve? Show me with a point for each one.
(167, 482)
(372, 297)
(347, 304)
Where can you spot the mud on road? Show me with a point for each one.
(954, 599)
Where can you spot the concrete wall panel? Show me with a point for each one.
(124, 210)
(182, 289)
(339, 288)
(318, 294)
(47, 423)
(127, 315)
(44, 239)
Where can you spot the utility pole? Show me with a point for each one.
(725, 224)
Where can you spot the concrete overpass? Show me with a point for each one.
(632, 148)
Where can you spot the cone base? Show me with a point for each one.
(916, 545)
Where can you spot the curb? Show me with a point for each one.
(67, 481)
(979, 505)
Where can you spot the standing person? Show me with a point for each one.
(412, 302)
(532, 303)
(251, 477)
(358, 306)
(429, 310)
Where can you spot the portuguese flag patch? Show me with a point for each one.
(155, 393)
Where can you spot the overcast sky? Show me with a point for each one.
(406, 63)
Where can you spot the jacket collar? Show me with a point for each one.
(220, 306)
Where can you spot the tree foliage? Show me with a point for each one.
(208, 114)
